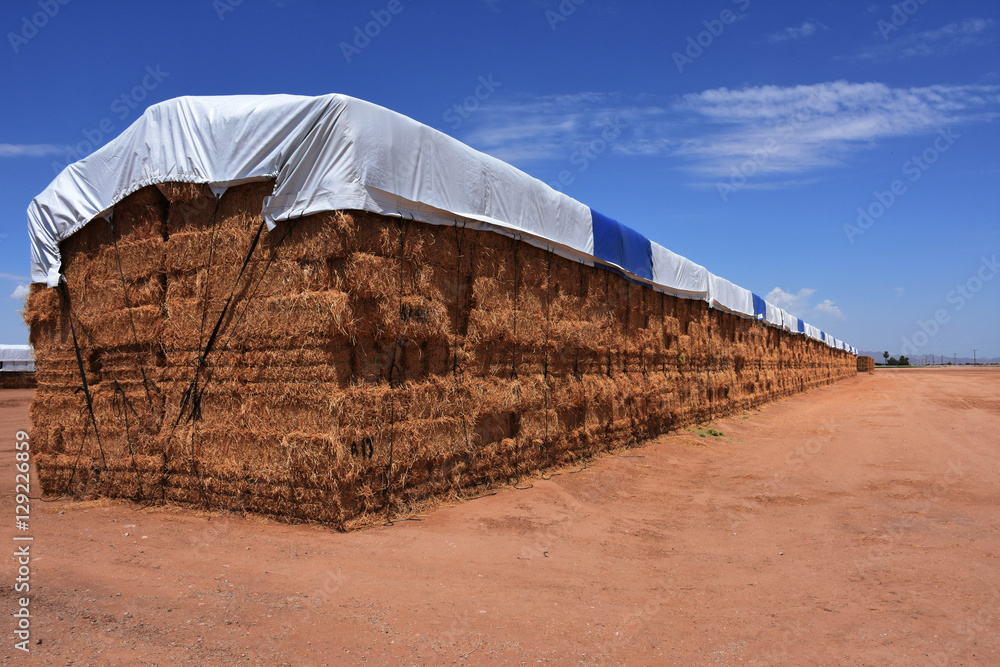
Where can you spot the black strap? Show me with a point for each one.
(209, 373)
(208, 273)
(121, 407)
(515, 246)
(459, 247)
(404, 228)
(128, 308)
(83, 375)
(192, 395)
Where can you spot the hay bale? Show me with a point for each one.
(364, 365)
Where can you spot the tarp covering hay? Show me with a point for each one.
(17, 367)
(348, 365)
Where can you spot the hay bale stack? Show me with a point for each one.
(866, 364)
(17, 380)
(354, 364)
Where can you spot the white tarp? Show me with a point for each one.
(729, 296)
(336, 152)
(789, 322)
(682, 276)
(773, 314)
(16, 353)
(326, 153)
(17, 358)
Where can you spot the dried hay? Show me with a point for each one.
(365, 366)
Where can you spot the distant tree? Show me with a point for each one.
(892, 361)
(885, 355)
(904, 361)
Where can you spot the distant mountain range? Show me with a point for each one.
(921, 359)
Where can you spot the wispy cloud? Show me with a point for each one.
(30, 150)
(806, 29)
(551, 127)
(794, 302)
(827, 306)
(795, 129)
(20, 292)
(789, 131)
(947, 40)
(15, 277)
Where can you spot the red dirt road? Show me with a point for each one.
(853, 525)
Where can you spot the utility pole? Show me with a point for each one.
(973, 357)
(956, 358)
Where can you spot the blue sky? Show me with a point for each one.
(839, 157)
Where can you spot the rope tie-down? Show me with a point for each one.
(457, 371)
(135, 337)
(64, 291)
(395, 373)
(190, 408)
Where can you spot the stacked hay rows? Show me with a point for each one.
(363, 364)
(866, 364)
(17, 380)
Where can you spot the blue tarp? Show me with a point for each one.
(759, 307)
(621, 245)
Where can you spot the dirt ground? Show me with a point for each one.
(856, 524)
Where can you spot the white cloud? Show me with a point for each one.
(827, 306)
(799, 128)
(794, 303)
(784, 132)
(944, 41)
(30, 150)
(13, 276)
(807, 29)
(783, 184)
(551, 127)
(20, 292)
